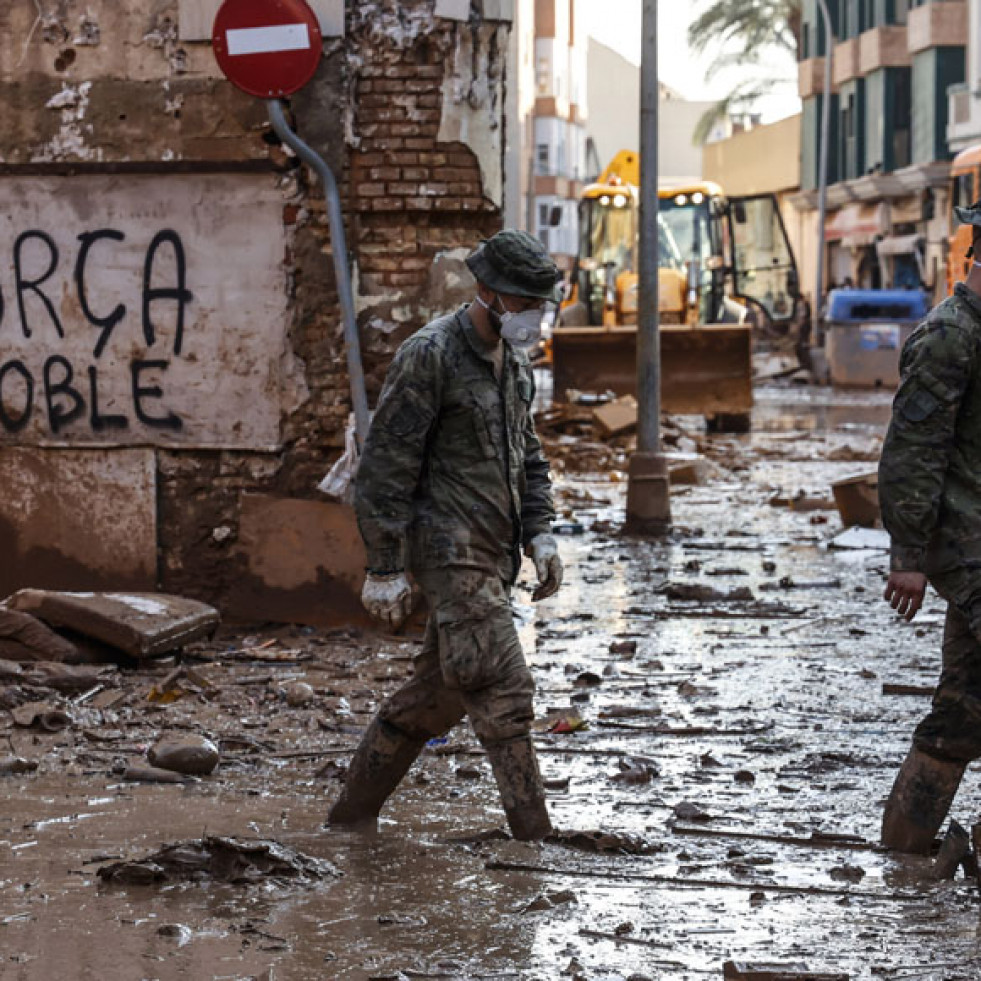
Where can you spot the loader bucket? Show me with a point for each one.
(705, 370)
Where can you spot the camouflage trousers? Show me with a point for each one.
(952, 728)
(471, 662)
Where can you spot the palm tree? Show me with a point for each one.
(743, 32)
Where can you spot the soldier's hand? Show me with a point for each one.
(388, 598)
(544, 552)
(905, 592)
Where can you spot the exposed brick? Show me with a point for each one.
(429, 100)
(416, 173)
(383, 143)
(463, 189)
(370, 190)
(422, 143)
(407, 129)
(415, 71)
(387, 204)
(419, 204)
(433, 159)
(403, 188)
(405, 279)
(431, 116)
(384, 173)
(457, 173)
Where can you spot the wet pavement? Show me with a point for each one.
(746, 738)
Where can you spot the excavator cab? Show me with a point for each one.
(764, 273)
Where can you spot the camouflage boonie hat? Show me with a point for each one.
(970, 215)
(516, 263)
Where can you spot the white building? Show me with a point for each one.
(964, 100)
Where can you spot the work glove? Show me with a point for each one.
(544, 552)
(388, 598)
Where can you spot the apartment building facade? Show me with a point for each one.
(546, 140)
(964, 99)
(893, 62)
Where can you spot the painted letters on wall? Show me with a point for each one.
(143, 310)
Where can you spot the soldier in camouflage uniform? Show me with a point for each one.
(452, 484)
(930, 492)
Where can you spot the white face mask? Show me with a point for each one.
(521, 329)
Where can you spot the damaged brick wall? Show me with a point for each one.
(407, 108)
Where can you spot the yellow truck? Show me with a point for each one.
(725, 264)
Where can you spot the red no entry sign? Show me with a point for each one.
(268, 48)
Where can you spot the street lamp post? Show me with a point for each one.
(648, 499)
(822, 169)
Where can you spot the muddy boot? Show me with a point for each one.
(919, 802)
(381, 761)
(520, 783)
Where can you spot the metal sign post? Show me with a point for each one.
(270, 49)
(648, 497)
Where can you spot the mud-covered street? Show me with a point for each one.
(723, 710)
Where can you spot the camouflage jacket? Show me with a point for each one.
(452, 471)
(930, 471)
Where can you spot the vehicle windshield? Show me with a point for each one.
(609, 231)
(688, 219)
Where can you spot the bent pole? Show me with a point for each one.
(342, 272)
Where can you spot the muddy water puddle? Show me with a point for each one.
(748, 741)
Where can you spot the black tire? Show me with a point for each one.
(729, 422)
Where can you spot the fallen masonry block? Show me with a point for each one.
(143, 625)
(747, 971)
(857, 499)
(618, 416)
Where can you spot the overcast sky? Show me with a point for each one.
(617, 24)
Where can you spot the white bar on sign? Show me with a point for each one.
(265, 40)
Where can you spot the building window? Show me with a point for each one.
(542, 159)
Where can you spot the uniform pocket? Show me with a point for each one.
(471, 650)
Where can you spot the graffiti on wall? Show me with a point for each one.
(143, 310)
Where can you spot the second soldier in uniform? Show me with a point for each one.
(930, 492)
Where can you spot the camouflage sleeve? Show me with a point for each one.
(394, 450)
(937, 364)
(537, 506)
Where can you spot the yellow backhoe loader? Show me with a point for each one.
(724, 264)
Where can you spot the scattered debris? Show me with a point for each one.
(222, 859)
(15, 765)
(41, 715)
(746, 971)
(25, 638)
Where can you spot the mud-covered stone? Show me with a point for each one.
(194, 755)
(298, 694)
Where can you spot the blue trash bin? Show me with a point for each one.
(864, 334)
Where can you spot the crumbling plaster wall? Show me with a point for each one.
(407, 107)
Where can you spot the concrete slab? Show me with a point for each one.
(144, 625)
(304, 562)
(77, 519)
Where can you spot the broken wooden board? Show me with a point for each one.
(143, 625)
(747, 971)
